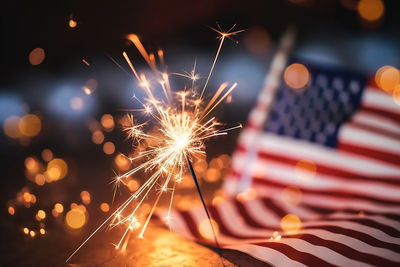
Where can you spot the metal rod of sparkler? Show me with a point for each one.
(204, 206)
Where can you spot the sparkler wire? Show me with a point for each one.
(205, 207)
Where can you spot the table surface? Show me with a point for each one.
(160, 247)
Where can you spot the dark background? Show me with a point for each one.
(327, 33)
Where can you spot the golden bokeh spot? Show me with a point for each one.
(75, 218)
(275, 236)
(387, 78)
(217, 200)
(41, 214)
(257, 40)
(59, 208)
(11, 210)
(107, 121)
(36, 56)
(40, 179)
(33, 198)
(32, 233)
(27, 197)
(54, 212)
(396, 95)
(90, 86)
(248, 194)
(81, 207)
(296, 76)
(108, 148)
(205, 229)
(98, 137)
(371, 10)
(72, 23)
(76, 103)
(291, 224)
(104, 207)
(226, 160)
(30, 125)
(305, 169)
(133, 185)
(212, 175)
(26, 230)
(122, 162)
(85, 197)
(47, 155)
(31, 165)
(216, 163)
(42, 231)
(57, 169)
(11, 128)
(200, 167)
(145, 209)
(291, 195)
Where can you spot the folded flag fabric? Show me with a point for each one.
(318, 183)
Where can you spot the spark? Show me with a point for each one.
(182, 128)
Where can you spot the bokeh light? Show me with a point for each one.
(26, 231)
(57, 169)
(11, 210)
(291, 224)
(41, 214)
(59, 208)
(305, 169)
(40, 179)
(205, 228)
(76, 103)
(248, 194)
(296, 76)
(212, 175)
(75, 218)
(104, 207)
(107, 121)
(72, 23)
(109, 148)
(122, 162)
(69, 101)
(90, 86)
(11, 128)
(291, 195)
(371, 10)
(396, 95)
(133, 185)
(36, 56)
(257, 40)
(275, 236)
(29, 125)
(387, 78)
(98, 137)
(47, 155)
(85, 197)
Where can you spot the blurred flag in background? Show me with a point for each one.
(315, 177)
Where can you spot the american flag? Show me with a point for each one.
(318, 176)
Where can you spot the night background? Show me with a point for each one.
(79, 92)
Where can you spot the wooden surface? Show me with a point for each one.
(160, 247)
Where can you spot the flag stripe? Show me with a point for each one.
(289, 174)
(339, 173)
(341, 194)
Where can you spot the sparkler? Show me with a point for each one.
(182, 121)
